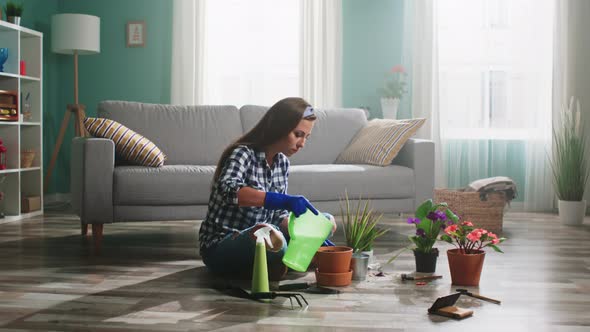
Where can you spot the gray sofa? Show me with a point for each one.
(193, 137)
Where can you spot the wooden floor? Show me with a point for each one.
(150, 278)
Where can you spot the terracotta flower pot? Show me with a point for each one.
(465, 268)
(333, 279)
(334, 259)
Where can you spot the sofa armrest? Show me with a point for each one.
(92, 165)
(418, 154)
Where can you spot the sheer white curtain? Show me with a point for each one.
(272, 49)
(420, 54)
(188, 57)
(495, 86)
(321, 52)
(252, 51)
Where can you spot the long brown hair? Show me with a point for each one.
(279, 121)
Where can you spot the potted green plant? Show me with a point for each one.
(13, 12)
(360, 230)
(429, 219)
(569, 165)
(392, 92)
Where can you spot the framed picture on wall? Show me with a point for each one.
(135, 32)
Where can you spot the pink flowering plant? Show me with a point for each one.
(469, 239)
(395, 87)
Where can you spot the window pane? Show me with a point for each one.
(495, 66)
(499, 116)
(252, 51)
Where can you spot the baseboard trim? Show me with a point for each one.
(519, 207)
(57, 198)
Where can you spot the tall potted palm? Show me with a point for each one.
(569, 164)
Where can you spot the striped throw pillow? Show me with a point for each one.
(129, 145)
(379, 141)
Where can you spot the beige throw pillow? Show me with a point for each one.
(130, 145)
(379, 141)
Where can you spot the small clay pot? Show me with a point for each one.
(334, 259)
(333, 279)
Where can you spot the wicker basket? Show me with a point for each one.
(485, 214)
(26, 158)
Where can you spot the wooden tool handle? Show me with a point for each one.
(485, 298)
(427, 277)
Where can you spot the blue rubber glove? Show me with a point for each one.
(328, 243)
(296, 204)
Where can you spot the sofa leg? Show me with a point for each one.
(84, 229)
(97, 236)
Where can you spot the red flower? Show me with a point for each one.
(398, 69)
(474, 236)
(451, 229)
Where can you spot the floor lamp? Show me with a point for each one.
(76, 34)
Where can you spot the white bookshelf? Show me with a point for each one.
(25, 134)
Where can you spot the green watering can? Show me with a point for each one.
(307, 233)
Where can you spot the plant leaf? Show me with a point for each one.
(424, 208)
(446, 238)
(495, 248)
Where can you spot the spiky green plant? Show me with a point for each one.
(360, 224)
(13, 9)
(569, 163)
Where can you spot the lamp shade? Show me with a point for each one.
(75, 32)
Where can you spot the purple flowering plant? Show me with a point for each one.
(430, 219)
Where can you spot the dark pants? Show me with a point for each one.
(234, 255)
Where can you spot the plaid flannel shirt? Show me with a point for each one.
(244, 167)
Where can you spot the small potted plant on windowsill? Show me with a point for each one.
(13, 12)
(392, 92)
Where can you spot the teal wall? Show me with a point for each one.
(372, 45)
(37, 16)
(118, 72)
(372, 32)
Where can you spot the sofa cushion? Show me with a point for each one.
(379, 141)
(189, 135)
(129, 145)
(167, 185)
(334, 129)
(329, 182)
